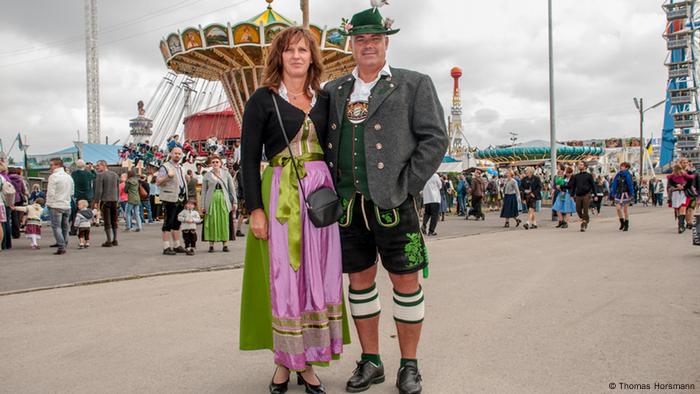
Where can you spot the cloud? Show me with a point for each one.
(605, 52)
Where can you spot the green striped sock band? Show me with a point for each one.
(409, 308)
(364, 304)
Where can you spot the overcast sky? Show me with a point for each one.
(606, 53)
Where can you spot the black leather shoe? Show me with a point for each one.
(180, 249)
(278, 388)
(310, 388)
(365, 375)
(408, 380)
(169, 252)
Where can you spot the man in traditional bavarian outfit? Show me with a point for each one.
(173, 193)
(386, 138)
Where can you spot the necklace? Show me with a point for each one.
(293, 95)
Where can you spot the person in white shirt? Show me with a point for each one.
(431, 204)
(58, 197)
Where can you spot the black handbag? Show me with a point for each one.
(322, 205)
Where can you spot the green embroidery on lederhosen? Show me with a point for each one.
(416, 253)
(346, 219)
(387, 218)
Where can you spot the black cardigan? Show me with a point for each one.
(261, 131)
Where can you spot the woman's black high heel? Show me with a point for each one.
(310, 388)
(278, 388)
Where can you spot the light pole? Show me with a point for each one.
(639, 103)
(552, 122)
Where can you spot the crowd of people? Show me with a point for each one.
(79, 198)
(574, 190)
(154, 155)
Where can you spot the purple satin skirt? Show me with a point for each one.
(306, 304)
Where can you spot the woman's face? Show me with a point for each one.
(216, 164)
(296, 59)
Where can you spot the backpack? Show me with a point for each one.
(7, 192)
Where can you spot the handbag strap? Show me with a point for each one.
(291, 154)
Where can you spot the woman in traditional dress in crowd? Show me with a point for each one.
(218, 203)
(564, 203)
(292, 284)
(678, 182)
(511, 200)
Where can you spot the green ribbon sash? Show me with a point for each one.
(289, 205)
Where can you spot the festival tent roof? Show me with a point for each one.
(531, 154)
(94, 152)
(202, 125)
(87, 152)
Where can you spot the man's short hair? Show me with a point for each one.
(625, 164)
(57, 161)
(80, 163)
(102, 163)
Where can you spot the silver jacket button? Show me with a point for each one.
(330, 146)
(330, 164)
(379, 146)
(377, 127)
(380, 165)
(333, 126)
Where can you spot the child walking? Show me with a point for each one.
(189, 217)
(32, 230)
(83, 222)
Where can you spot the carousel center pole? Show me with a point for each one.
(305, 12)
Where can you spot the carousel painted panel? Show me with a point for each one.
(273, 30)
(216, 35)
(246, 34)
(192, 39)
(317, 33)
(164, 51)
(335, 40)
(174, 44)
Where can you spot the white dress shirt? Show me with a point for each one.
(59, 190)
(362, 90)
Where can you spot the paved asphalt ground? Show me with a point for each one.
(139, 254)
(544, 311)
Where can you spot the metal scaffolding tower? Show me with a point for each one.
(93, 72)
(681, 129)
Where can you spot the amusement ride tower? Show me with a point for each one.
(680, 130)
(456, 132)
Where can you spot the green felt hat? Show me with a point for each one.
(369, 21)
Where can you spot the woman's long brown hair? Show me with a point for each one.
(272, 76)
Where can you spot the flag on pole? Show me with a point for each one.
(650, 149)
(20, 145)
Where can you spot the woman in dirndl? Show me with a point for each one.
(218, 204)
(292, 299)
(564, 204)
(511, 200)
(677, 185)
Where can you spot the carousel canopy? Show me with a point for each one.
(520, 154)
(235, 53)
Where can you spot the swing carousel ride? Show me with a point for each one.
(226, 60)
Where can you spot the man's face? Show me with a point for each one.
(176, 155)
(100, 167)
(53, 166)
(369, 50)
(581, 166)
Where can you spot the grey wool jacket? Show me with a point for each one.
(405, 134)
(106, 186)
(227, 186)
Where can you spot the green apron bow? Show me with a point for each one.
(288, 204)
